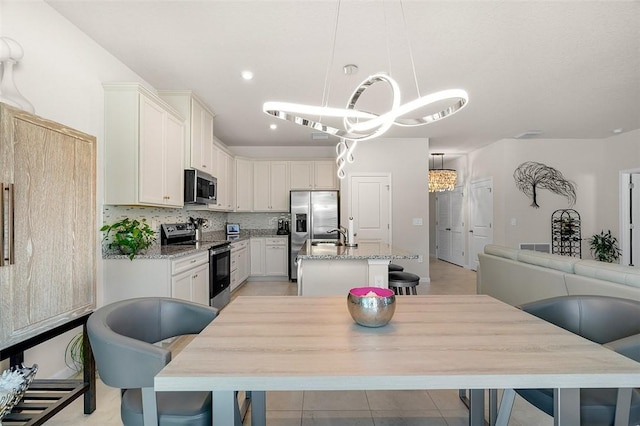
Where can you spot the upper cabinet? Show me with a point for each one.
(271, 186)
(144, 148)
(244, 185)
(224, 173)
(313, 174)
(199, 131)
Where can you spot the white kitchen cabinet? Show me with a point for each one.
(308, 175)
(271, 186)
(192, 285)
(275, 256)
(257, 256)
(185, 278)
(244, 185)
(324, 174)
(240, 263)
(301, 175)
(198, 131)
(224, 173)
(144, 148)
(269, 256)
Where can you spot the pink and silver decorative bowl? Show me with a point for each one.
(371, 306)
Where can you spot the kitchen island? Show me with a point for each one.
(326, 269)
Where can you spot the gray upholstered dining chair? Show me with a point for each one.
(610, 321)
(122, 336)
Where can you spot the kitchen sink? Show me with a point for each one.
(326, 243)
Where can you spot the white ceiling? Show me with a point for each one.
(568, 68)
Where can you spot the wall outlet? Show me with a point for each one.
(420, 259)
(417, 221)
(378, 280)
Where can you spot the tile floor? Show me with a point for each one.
(341, 408)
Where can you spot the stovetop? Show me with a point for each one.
(184, 235)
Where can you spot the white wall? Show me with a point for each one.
(407, 162)
(61, 74)
(592, 164)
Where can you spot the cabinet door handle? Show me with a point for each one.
(194, 261)
(195, 276)
(10, 255)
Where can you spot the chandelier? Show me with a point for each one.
(441, 179)
(360, 125)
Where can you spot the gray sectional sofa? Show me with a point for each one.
(520, 276)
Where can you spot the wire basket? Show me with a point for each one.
(13, 385)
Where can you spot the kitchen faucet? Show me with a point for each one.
(342, 231)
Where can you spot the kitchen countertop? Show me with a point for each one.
(158, 251)
(364, 250)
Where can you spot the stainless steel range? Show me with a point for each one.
(184, 234)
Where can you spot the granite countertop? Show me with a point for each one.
(364, 250)
(158, 251)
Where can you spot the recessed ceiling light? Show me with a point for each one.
(247, 75)
(618, 130)
(273, 126)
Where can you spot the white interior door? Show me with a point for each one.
(370, 207)
(480, 218)
(450, 226)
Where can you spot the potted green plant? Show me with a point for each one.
(129, 236)
(604, 247)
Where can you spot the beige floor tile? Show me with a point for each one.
(400, 400)
(337, 418)
(284, 400)
(446, 399)
(408, 418)
(335, 400)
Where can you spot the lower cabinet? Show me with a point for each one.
(240, 263)
(269, 256)
(182, 278)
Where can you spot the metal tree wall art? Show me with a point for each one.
(530, 176)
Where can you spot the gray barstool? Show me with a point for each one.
(406, 280)
(395, 268)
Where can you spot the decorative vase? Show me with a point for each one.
(9, 93)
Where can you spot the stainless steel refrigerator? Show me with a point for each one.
(313, 215)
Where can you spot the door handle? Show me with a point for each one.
(471, 231)
(9, 235)
(447, 229)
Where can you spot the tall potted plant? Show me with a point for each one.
(128, 236)
(604, 247)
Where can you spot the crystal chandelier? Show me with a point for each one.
(441, 179)
(360, 125)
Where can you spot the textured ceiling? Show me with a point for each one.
(570, 69)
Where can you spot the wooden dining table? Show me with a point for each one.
(475, 342)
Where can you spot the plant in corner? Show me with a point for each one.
(129, 236)
(604, 247)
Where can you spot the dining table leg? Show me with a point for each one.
(223, 407)
(566, 407)
(258, 408)
(476, 407)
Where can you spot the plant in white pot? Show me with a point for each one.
(128, 236)
(604, 247)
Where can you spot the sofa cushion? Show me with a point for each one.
(548, 260)
(613, 272)
(501, 251)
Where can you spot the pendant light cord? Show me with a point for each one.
(406, 34)
(327, 81)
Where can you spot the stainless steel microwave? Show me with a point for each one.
(199, 188)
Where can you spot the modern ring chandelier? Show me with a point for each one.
(361, 125)
(441, 179)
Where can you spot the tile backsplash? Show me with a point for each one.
(217, 220)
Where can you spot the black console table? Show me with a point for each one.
(46, 397)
